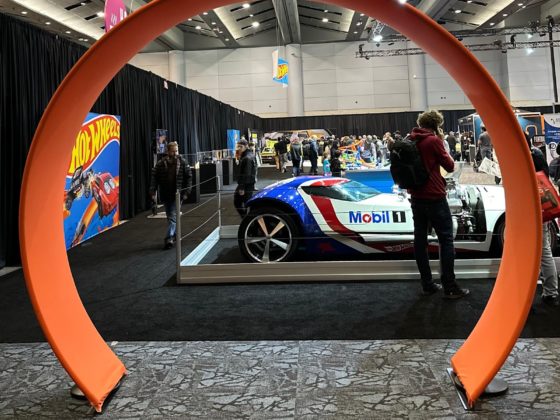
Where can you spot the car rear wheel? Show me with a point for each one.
(268, 235)
(499, 237)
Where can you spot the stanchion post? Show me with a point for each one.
(219, 205)
(178, 233)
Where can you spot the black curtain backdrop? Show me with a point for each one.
(32, 65)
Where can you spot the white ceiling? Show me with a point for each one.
(279, 21)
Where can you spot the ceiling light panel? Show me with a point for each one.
(339, 18)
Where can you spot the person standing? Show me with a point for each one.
(171, 174)
(452, 142)
(548, 274)
(313, 155)
(485, 144)
(296, 154)
(246, 179)
(336, 164)
(430, 208)
(283, 153)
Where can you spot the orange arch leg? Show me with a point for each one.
(67, 326)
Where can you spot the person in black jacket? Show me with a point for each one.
(246, 178)
(171, 174)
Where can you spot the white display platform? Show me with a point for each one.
(194, 273)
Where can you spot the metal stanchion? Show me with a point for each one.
(219, 203)
(178, 233)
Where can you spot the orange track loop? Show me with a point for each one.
(67, 326)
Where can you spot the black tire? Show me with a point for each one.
(499, 238)
(255, 243)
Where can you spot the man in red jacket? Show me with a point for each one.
(430, 208)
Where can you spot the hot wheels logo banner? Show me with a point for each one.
(91, 191)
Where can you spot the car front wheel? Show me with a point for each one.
(268, 235)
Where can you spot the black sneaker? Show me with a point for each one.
(551, 300)
(431, 289)
(457, 293)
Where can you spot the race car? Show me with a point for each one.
(338, 216)
(105, 192)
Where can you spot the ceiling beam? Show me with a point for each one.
(354, 27)
(174, 37)
(220, 29)
(436, 8)
(287, 14)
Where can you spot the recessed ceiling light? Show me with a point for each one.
(86, 40)
(83, 3)
(189, 19)
(402, 1)
(80, 39)
(520, 4)
(227, 39)
(358, 23)
(326, 10)
(255, 24)
(100, 14)
(204, 13)
(47, 23)
(378, 38)
(469, 1)
(457, 11)
(505, 14)
(492, 23)
(198, 27)
(361, 14)
(213, 23)
(251, 15)
(68, 32)
(325, 20)
(355, 32)
(24, 12)
(246, 5)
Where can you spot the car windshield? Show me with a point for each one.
(345, 191)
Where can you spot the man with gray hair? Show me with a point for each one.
(171, 174)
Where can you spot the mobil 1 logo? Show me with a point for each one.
(377, 217)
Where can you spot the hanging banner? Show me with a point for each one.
(279, 69)
(115, 11)
(233, 137)
(552, 132)
(91, 191)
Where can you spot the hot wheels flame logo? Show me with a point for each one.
(91, 140)
(282, 71)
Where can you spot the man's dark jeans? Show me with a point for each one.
(434, 213)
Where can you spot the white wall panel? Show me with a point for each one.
(388, 61)
(272, 92)
(355, 102)
(389, 87)
(239, 54)
(317, 91)
(531, 93)
(318, 63)
(238, 81)
(234, 67)
(260, 66)
(321, 104)
(275, 106)
(445, 98)
(209, 56)
(358, 88)
(356, 75)
(202, 69)
(262, 79)
(202, 82)
(442, 84)
(213, 93)
(392, 101)
(350, 63)
(311, 77)
(235, 95)
(390, 73)
(317, 50)
(530, 78)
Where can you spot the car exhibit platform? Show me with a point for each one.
(218, 260)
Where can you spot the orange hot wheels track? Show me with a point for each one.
(67, 326)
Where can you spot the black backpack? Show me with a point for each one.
(407, 167)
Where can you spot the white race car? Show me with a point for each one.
(338, 216)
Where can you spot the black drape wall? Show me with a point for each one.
(32, 65)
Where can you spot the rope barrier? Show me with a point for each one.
(200, 205)
(193, 231)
